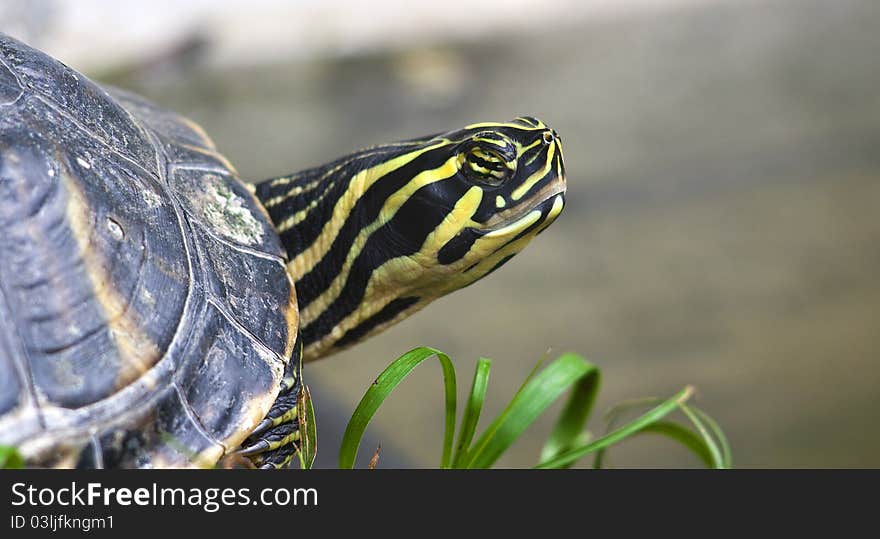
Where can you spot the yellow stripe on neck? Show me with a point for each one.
(357, 186)
(389, 209)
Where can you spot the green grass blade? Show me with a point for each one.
(382, 387)
(309, 445)
(682, 435)
(709, 444)
(614, 414)
(568, 432)
(651, 416)
(10, 458)
(715, 429)
(540, 391)
(714, 450)
(471, 415)
(532, 373)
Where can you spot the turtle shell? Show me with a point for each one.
(146, 316)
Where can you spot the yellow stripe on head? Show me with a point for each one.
(537, 176)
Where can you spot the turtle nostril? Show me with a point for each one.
(548, 137)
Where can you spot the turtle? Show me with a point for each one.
(156, 309)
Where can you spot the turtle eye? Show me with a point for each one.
(486, 166)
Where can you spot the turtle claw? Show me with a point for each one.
(276, 448)
(262, 427)
(253, 449)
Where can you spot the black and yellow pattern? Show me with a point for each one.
(155, 310)
(377, 235)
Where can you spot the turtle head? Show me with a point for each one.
(509, 186)
(378, 234)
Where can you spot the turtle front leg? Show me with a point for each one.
(277, 438)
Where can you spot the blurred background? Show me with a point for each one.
(721, 228)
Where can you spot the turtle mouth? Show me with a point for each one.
(551, 200)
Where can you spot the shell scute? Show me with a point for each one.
(160, 436)
(72, 94)
(227, 405)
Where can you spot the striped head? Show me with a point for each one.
(377, 235)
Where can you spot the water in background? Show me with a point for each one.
(720, 230)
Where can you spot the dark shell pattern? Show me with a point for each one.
(146, 316)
